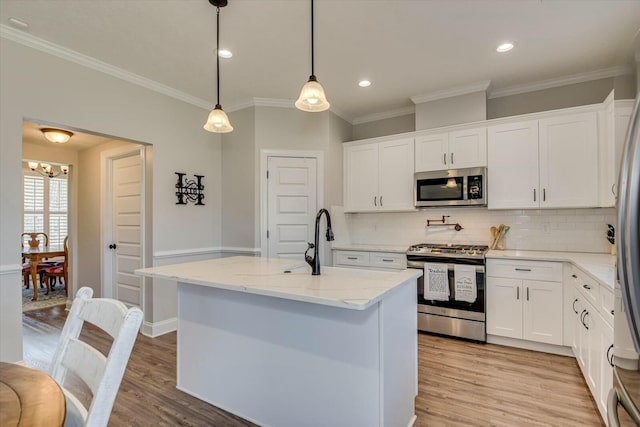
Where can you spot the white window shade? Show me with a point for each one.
(45, 206)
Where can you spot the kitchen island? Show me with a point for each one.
(264, 339)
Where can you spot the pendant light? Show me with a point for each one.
(312, 97)
(218, 121)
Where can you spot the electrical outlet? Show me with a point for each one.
(546, 228)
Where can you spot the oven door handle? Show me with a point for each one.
(450, 267)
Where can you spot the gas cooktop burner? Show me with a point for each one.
(448, 250)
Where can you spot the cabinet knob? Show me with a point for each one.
(587, 287)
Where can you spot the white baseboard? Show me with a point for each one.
(156, 329)
(530, 345)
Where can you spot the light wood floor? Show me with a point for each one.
(460, 383)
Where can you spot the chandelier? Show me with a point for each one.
(45, 169)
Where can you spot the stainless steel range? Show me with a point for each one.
(453, 300)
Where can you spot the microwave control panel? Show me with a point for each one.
(474, 187)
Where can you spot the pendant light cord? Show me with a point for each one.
(218, 54)
(312, 69)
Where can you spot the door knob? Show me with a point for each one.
(112, 246)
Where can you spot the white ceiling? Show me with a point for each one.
(405, 47)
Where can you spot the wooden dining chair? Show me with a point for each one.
(26, 266)
(61, 271)
(101, 374)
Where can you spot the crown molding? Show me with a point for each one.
(561, 81)
(384, 115)
(45, 46)
(278, 103)
(482, 86)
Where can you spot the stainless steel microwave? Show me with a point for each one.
(455, 187)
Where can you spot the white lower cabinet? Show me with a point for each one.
(519, 306)
(369, 259)
(592, 345)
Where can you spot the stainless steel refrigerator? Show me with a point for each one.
(623, 405)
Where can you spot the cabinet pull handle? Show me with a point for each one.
(518, 293)
(612, 313)
(527, 293)
(352, 257)
(452, 157)
(582, 317)
(444, 158)
(586, 313)
(380, 200)
(534, 194)
(523, 269)
(387, 260)
(544, 194)
(574, 305)
(375, 201)
(587, 287)
(574, 276)
(613, 191)
(610, 358)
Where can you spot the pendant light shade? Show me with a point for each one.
(218, 121)
(312, 97)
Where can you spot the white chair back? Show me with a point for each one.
(101, 374)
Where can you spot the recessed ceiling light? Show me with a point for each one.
(364, 83)
(18, 23)
(504, 47)
(224, 53)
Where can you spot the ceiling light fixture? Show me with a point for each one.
(218, 121)
(58, 136)
(312, 97)
(364, 83)
(225, 53)
(45, 169)
(504, 47)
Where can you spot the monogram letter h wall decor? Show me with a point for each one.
(189, 190)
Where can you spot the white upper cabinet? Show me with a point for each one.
(546, 163)
(614, 121)
(569, 161)
(513, 165)
(378, 176)
(451, 150)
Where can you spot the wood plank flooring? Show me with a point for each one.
(460, 383)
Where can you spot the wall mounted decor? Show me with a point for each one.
(189, 190)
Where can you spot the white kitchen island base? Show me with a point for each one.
(275, 345)
(277, 362)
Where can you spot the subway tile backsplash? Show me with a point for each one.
(575, 230)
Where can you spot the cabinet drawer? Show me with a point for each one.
(388, 260)
(526, 270)
(606, 304)
(352, 258)
(587, 286)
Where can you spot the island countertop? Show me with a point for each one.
(337, 287)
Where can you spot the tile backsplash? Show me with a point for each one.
(575, 230)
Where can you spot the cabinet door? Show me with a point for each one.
(576, 325)
(513, 165)
(361, 177)
(504, 307)
(468, 148)
(622, 118)
(431, 152)
(542, 311)
(569, 161)
(606, 370)
(396, 175)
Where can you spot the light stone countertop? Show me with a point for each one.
(370, 248)
(337, 287)
(600, 267)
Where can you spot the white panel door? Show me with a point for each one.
(361, 177)
(126, 191)
(468, 148)
(542, 320)
(432, 152)
(569, 161)
(395, 179)
(512, 165)
(504, 307)
(291, 205)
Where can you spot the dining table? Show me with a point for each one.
(35, 254)
(29, 397)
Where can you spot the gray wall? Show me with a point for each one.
(573, 95)
(391, 126)
(471, 107)
(39, 86)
